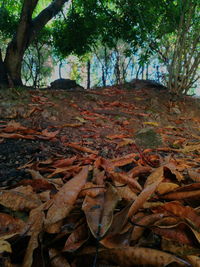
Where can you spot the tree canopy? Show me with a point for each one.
(78, 27)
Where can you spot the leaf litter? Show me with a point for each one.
(86, 193)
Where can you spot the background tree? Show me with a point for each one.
(144, 25)
(30, 23)
(181, 49)
(38, 62)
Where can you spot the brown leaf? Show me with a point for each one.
(64, 169)
(133, 256)
(194, 175)
(150, 187)
(20, 198)
(64, 200)
(194, 260)
(38, 185)
(99, 211)
(184, 192)
(10, 225)
(57, 260)
(116, 136)
(61, 163)
(76, 239)
(16, 136)
(164, 188)
(189, 148)
(34, 226)
(117, 240)
(127, 159)
(48, 134)
(92, 190)
(139, 170)
(186, 212)
(35, 174)
(124, 178)
(125, 142)
(178, 234)
(145, 221)
(125, 192)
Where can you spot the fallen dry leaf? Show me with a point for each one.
(21, 198)
(76, 239)
(57, 260)
(63, 201)
(99, 211)
(150, 187)
(10, 225)
(131, 256)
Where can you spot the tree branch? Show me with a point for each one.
(45, 16)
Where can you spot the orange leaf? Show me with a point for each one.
(63, 170)
(64, 162)
(81, 148)
(124, 178)
(176, 234)
(150, 187)
(116, 136)
(16, 136)
(139, 170)
(118, 162)
(10, 225)
(166, 187)
(50, 135)
(185, 212)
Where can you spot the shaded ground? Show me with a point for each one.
(144, 128)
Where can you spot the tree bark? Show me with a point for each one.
(88, 74)
(27, 30)
(3, 76)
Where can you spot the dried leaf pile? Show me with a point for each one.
(139, 207)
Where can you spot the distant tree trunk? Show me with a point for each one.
(147, 72)
(157, 74)
(142, 72)
(117, 68)
(106, 65)
(27, 30)
(88, 74)
(138, 71)
(3, 76)
(103, 76)
(60, 70)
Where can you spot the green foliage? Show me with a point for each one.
(8, 20)
(73, 35)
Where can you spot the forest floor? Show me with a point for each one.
(106, 177)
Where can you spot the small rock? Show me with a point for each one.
(65, 84)
(148, 138)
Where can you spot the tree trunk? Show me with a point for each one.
(13, 64)
(117, 68)
(88, 74)
(103, 76)
(3, 76)
(27, 30)
(60, 70)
